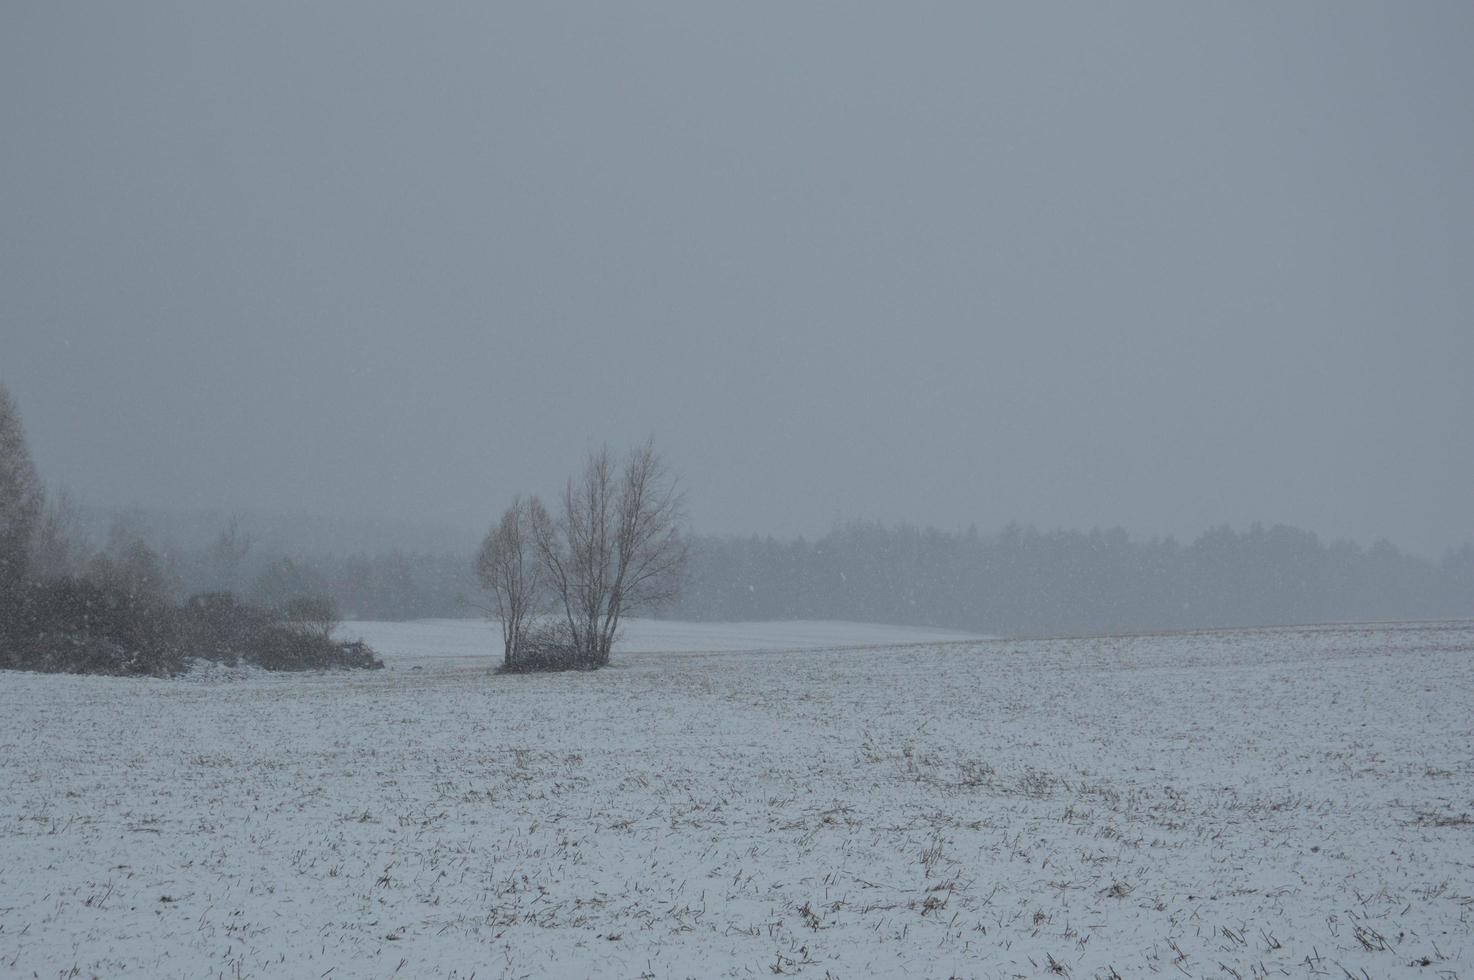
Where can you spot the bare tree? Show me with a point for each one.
(650, 546)
(21, 501)
(226, 556)
(61, 538)
(616, 546)
(509, 568)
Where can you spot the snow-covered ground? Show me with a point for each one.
(474, 641)
(1294, 802)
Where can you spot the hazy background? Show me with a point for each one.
(1156, 265)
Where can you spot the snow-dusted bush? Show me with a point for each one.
(538, 657)
(85, 626)
(283, 648)
(546, 645)
(313, 614)
(218, 626)
(102, 626)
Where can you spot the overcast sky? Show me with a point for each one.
(1152, 265)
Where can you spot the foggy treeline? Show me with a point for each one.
(251, 560)
(1021, 581)
(392, 585)
(1017, 581)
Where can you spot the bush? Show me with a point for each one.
(311, 614)
(78, 626)
(547, 646)
(283, 648)
(218, 626)
(110, 626)
(538, 657)
(72, 653)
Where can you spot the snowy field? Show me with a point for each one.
(471, 642)
(1294, 802)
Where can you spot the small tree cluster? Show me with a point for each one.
(562, 580)
(113, 613)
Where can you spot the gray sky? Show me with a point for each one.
(1156, 265)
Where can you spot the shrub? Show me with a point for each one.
(537, 657)
(112, 626)
(79, 626)
(283, 648)
(71, 653)
(311, 614)
(548, 646)
(218, 626)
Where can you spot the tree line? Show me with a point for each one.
(1017, 581)
(1021, 581)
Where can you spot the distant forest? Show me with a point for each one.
(1016, 582)
(1025, 582)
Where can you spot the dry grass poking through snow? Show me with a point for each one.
(1242, 804)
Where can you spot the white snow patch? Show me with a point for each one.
(199, 670)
